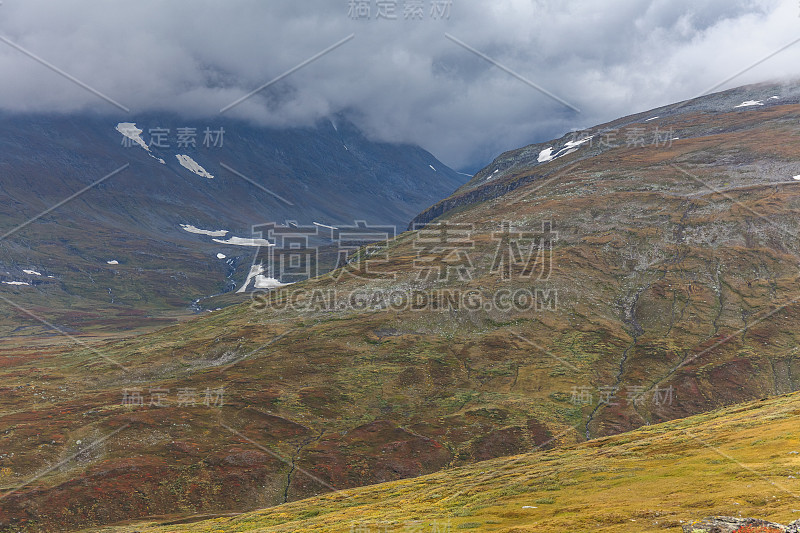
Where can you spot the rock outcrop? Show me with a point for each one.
(730, 524)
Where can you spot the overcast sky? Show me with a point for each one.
(400, 79)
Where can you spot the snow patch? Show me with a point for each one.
(263, 282)
(573, 144)
(774, 98)
(548, 155)
(432, 168)
(260, 280)
(129, 130)
(32, 272)
(651, 118)
(210, 233)
(569, 147)
(255, 270)
(797, 178)
(240, 241)
(750, 103)
(113, 262)
(221, 256)
(16, 283)
(191, 164)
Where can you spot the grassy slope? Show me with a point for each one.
(365, 397)
(740, 460)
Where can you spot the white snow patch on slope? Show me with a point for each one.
(221, 256)
(32, 272)
(569, 147)
(263, 282)
(260, 280)
(191, 164)
(240, 241)
(651, 118)
(546, 155)
(750, 103)
(796, 177)
(129, 130)
(210, 233)
(16, 283)
(255, 270)
(113, 262)
(573, 144)
(432, 168)
(774, 98)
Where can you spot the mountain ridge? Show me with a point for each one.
(485, 185)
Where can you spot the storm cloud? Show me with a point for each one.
(401, 74)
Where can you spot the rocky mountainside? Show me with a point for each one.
(609, 287)
(656, 127)
(126, 244)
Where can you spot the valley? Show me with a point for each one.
(574, 308)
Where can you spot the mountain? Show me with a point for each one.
(639, 272)
(124, 248)
(645, 480)
(653, 128)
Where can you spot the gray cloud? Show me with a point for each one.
(400, 80)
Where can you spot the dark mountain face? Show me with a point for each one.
(139, 196)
